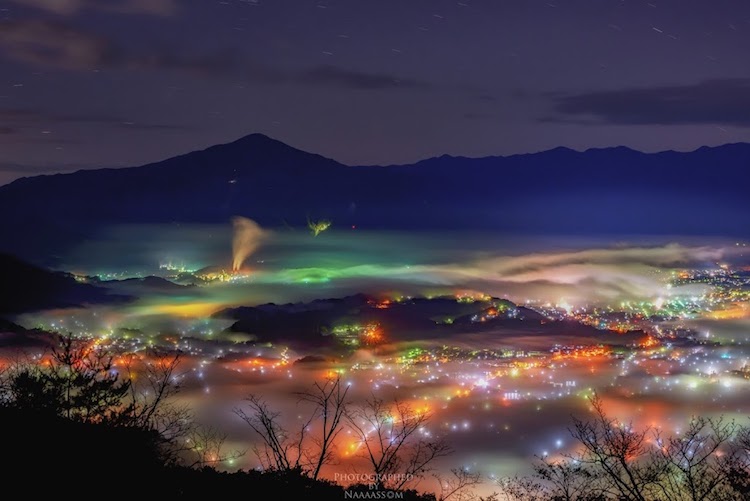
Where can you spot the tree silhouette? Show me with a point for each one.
(708, 461)
(311, 447)
(621, 454)
(330, 404)
(459, 486)
(77, 381)
(699, 461)
(392, 439)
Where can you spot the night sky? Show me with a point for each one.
(95, 83)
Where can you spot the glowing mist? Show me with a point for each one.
(247, 238)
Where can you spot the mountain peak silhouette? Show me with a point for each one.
(598, 191)
(259, 141)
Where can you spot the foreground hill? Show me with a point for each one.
(134, 453)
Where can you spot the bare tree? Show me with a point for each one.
(392, 440)
(308, 449)
(152, 386)
(698, 460)
(329, 404)
(623, 456)
(153, 383)
(569, 480)
(279, 450)
(709, 461)
(524, 488)
(737, 464)
(558, 480)
(206, 447)
(460, 486)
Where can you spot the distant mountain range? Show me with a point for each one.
(598, 191)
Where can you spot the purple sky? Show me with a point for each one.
(93, 83)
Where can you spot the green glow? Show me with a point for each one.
(318, 227)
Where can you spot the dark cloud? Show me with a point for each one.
(22, 117)
(53, 44)
(721, 101)
(67, 7)
(351, 79)
(217, 63)
(7, 130)
(31, 116)
(152, 127)
(15, 114)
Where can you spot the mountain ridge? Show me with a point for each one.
(597, 191)
(259, 138)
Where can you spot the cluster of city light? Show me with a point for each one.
(466, 389)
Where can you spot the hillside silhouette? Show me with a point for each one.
(25, 287)
(560, 191)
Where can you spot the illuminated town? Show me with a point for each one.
(477, 363)
(474, 250)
